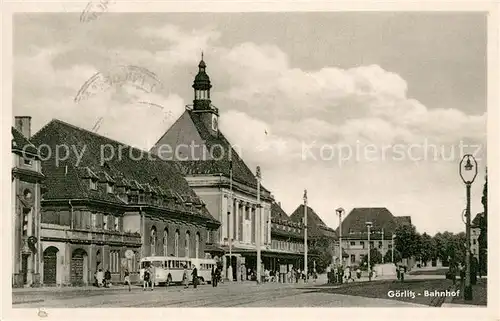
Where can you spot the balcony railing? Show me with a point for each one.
(59, 232)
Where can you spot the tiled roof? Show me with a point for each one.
(67, 179)
(277, 212)
(403, 220)
(476, 222)
(241, 172)
(315, 225)
(20, 144)
(380, 217)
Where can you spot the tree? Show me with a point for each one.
(407, 241)
(321, 248)
(388, 256)
(375, 258)
(483, 225)
(427, 250)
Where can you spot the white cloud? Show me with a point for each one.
(258, 91)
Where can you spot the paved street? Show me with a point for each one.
(226, 295)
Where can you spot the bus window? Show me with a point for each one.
(145, 264)
(157, 264)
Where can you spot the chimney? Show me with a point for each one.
(279, 203)
(23, 125)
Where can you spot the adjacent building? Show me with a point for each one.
(108, 204)
(27, 180)
(355, 232)
(287, 242)
(475, 231)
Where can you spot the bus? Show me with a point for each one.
(169, 269)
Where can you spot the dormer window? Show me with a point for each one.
(28, 162)
(109, 188)
(93, 185)
(141, 197)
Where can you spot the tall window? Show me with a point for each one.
(353, 258)
(176, 243)
(153, 241)
(362, 243)
(165, 242)
(117, 223)
(104, 222)
(114, 261)
(94, 220)
(197, 245)
(186, 244)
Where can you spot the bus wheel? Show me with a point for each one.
(169, 280)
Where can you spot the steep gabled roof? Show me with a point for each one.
(380, 217)
(66, 178)
(315, 225)
(277, 212)
(222, 152)
(476, 222)
(21, 144)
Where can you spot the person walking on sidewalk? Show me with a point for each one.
(185, 278)
(195, 276)
(126, 279)
(145, 279)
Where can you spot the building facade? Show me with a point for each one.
(27, 180)
(475, 231)
(355, 232)
(225, 183)
(106, 212)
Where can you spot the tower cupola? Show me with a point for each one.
(201, 88)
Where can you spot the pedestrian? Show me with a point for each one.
(107, 278)
(335, 275)
(145, 278)
(126, 280)
(100, 278)
(185, 278)
(213, 276)
(195, 276)
(152, 276)
(358, 273)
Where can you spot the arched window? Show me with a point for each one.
(176, 243)
(186, 244)
(165, 242)
(197, 244)
(153, 241)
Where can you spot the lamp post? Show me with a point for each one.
(383, 235)
(258, 230)
(305, 233)
(368, 226)
(340, 211)
(468, 172)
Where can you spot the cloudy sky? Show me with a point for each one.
(362, 109)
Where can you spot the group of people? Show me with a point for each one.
(102, 279)
(339, 274)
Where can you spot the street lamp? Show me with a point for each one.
(368, 226)
(340, 211)
(468, 172)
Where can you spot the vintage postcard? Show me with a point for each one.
(250, 154)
